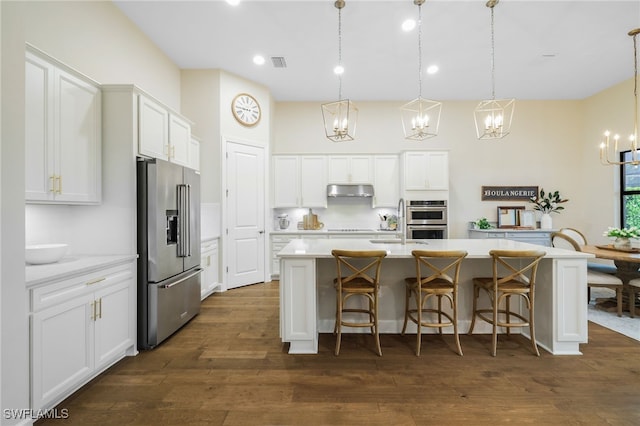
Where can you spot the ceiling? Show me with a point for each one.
(544, 49)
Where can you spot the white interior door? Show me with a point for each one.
(245, 214)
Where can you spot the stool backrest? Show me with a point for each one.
(516, 265)
(359, 264)
(438, 264)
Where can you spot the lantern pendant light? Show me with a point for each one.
(605, 146)
(493, 116)
(340, 117)
(420, 117)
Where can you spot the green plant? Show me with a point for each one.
(548, 202)
(631, 232)
(482, 223)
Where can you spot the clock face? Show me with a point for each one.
(246, 109)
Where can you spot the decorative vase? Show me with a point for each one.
(545, 221)
(622, 243)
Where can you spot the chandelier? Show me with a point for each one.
(420, 117)
(340, 117)
(493, 116)
(605, 146)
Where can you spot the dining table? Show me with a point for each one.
(627, 262)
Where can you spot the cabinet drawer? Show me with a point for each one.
(49, 295)
(496, 235)
(528, 235)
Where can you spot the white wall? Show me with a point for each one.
(543, 150)
(96, 39)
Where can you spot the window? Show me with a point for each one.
(630, 192)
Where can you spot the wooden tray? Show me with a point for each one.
(611, 247)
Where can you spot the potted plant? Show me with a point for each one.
(547, 203)
(482, 223)
(623, 236)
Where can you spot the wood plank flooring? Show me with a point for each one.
(228, 367)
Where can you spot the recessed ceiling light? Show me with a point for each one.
(338, 70)
(408, 25)
(258, 60)
(233, 2)
(432, 69)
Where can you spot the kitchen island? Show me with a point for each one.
(307, 296)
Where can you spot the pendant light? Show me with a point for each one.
(605, 147)
(340, 117)
(493, 117)
(420, 117)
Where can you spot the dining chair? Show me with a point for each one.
(577, 240)
(358, 278)
(514, 274)
(595, 278)
(633, 286)
(437, 274)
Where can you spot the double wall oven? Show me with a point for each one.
(426, 219)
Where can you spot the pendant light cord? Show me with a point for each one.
(420, 51)
(493, 60)
(635, 94)
(340, 52)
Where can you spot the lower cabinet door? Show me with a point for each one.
(62, 349)
(113, 324)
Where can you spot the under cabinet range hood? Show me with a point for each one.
(345, 190)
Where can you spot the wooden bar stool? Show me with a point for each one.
(358, 277)
(437, 274)
(514, 274)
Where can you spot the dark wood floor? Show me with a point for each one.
(228, 367)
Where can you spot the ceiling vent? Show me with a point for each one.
(278, 62)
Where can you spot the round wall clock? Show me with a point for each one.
(246, 109)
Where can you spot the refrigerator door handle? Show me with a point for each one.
(183, 220)
(194, 273)
(187, 221)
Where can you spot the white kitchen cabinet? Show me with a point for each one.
(386, 180)
(194, 154)
(79, 327)
(63, 133)
(541, 237)
(350, 169)
(162, 133)
(425, 170)
(210, 276)
(153, 128)
(299, 181)
(278, 241)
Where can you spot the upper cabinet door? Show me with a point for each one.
(39, 156)
(179, 140)
(194, 154)
(348, 169)
(79, 129)
(153, 125)
(426, 170)
(313, 181)
(285, 181)
(63, 134)
(386, 180)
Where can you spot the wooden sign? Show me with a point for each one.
(508, 193)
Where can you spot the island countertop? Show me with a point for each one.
(477, 248)
(307, 295)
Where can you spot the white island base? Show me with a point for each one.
(307, 296)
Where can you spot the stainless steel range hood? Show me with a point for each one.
(340, 190)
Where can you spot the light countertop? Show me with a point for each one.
(476, 248)
(70, 266)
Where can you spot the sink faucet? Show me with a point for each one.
(400, 223)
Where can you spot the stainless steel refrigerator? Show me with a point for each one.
(168, 249)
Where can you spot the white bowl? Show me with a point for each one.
(45, 253)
